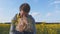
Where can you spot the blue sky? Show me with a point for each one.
(41, 10)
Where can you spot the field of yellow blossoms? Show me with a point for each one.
(41, 28)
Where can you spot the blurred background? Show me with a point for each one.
(45, 12)
(41, 10)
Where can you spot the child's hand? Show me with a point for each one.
(25, 19)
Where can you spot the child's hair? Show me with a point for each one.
(25, 7)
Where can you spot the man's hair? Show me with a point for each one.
(25, 7)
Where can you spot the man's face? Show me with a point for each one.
(22, 13)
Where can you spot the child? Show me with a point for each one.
(23, 23)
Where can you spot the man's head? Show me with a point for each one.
(24, 9)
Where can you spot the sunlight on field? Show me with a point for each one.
(48, 28)
(4, 28)
(41, 28)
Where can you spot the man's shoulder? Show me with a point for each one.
(31, 17)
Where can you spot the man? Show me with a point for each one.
(23, 23)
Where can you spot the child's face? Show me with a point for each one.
(22, 13)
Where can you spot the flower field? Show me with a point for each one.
(41, 28)
(4, 28)
(48, 28)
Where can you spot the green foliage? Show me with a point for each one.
(4, 28)
(42, 28)
(48, 28)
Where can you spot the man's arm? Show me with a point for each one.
(12, 28)
(34, 26)
(33, 22)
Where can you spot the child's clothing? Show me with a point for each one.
(16, 25)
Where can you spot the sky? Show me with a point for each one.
(41, 10)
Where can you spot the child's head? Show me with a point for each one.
(24, 9)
